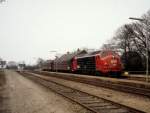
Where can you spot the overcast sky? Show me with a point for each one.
(32, 28)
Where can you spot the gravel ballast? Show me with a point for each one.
(128, 99)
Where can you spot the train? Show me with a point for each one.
(104, 62)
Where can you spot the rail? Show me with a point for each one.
(138, 89)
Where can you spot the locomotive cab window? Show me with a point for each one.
(104, 54)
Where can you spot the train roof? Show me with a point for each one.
(93, 53)
(78, 54)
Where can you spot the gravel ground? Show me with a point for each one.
(26, 96)
(135, 101)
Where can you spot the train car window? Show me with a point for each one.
(106, 53)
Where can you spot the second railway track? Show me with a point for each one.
(91, 102)
(138, 89)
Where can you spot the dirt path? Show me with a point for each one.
(26, 96)
(4, 106)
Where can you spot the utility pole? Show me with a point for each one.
(56, 59)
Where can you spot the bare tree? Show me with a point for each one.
(132, 37)
(40, 62)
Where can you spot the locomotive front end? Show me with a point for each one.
(110, 63)
(115, 66)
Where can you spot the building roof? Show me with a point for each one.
(68, 56)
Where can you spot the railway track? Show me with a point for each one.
(143, 79)
(92, 103)
(119, 86)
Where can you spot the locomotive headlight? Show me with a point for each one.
(113, 61)
(78, 66)
(68, 67)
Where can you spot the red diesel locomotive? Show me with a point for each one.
(97, 62)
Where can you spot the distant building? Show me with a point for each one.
(12, 65)
(2, 64)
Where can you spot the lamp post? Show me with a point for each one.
(147, 65)
(56, 58)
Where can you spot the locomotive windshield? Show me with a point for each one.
(106, 53)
